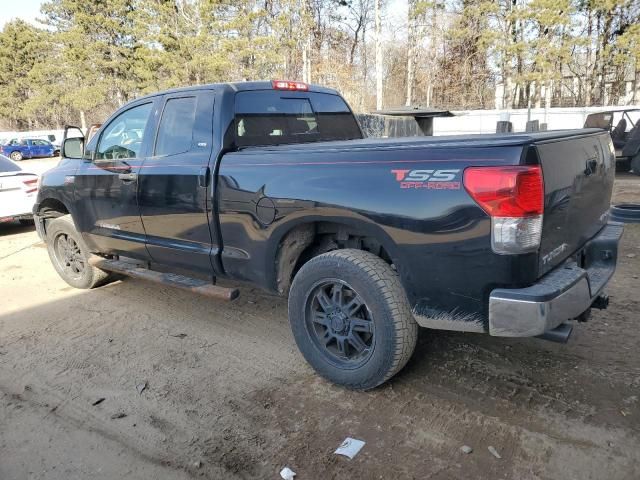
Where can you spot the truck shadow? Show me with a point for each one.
(14, 228)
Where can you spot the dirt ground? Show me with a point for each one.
(228, 396)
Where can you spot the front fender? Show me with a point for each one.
(56, 185)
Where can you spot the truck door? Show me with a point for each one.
(33, 148)
(106, 206)
(39, 148)
(25, 148)
(174, 183)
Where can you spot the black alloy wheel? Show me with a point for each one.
(340, 324)
(69, 256)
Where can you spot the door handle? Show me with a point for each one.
(128, 177)
(592, 166)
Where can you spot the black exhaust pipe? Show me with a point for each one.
(601, 302)
(560, 334)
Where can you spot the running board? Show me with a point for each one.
(170, 279)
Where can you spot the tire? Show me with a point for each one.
(325, 324)
(16, 156)
(623, 166)
(635, 164)
(626, 213)
(70, 255)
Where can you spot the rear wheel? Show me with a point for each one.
(16, 156)
(70, 256)
(351, 319)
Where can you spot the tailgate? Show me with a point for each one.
(578, 172)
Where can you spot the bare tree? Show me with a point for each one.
(379, 72)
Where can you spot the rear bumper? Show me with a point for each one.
(15, 208)
(9, 218)
(563, 294)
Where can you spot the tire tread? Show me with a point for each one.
(389, 288)
(65, 222)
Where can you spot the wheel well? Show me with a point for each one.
(51, 208)
(307, 241)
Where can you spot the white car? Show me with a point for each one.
(18, 192)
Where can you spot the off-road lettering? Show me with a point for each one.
(429, 179)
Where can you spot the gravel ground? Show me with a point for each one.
(227, 395)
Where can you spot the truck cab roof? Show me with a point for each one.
(238, 87)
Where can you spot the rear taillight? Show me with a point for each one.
(289, 85)
(30, 185)
(513, 196)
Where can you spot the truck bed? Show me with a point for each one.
(435, 237)
(448, 141)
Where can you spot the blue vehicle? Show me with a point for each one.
(18, 149)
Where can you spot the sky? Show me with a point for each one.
(27, 10)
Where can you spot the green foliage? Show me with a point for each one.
(92, 56)
(22, 48)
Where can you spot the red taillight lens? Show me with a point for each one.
(30, 185)
(507, 191)
(288, 85)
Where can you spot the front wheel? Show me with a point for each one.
(351, 319)
(16, 156)
(70, 256)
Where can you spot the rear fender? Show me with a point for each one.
(305, 224)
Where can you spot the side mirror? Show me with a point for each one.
(73, 148)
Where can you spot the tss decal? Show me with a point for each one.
(429, 179)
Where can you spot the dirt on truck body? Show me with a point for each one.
(227, 394)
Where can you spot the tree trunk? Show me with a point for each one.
(548, 93)
(379, 86)
(588, 86)
(306, 60)
(83, 121)
(410, 75)
(411, 40)
(636, 85)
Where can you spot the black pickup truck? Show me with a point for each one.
(272, 183)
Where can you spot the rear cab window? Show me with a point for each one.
(175, 133)
(271, 117)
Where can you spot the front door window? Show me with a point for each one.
(122, 139)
